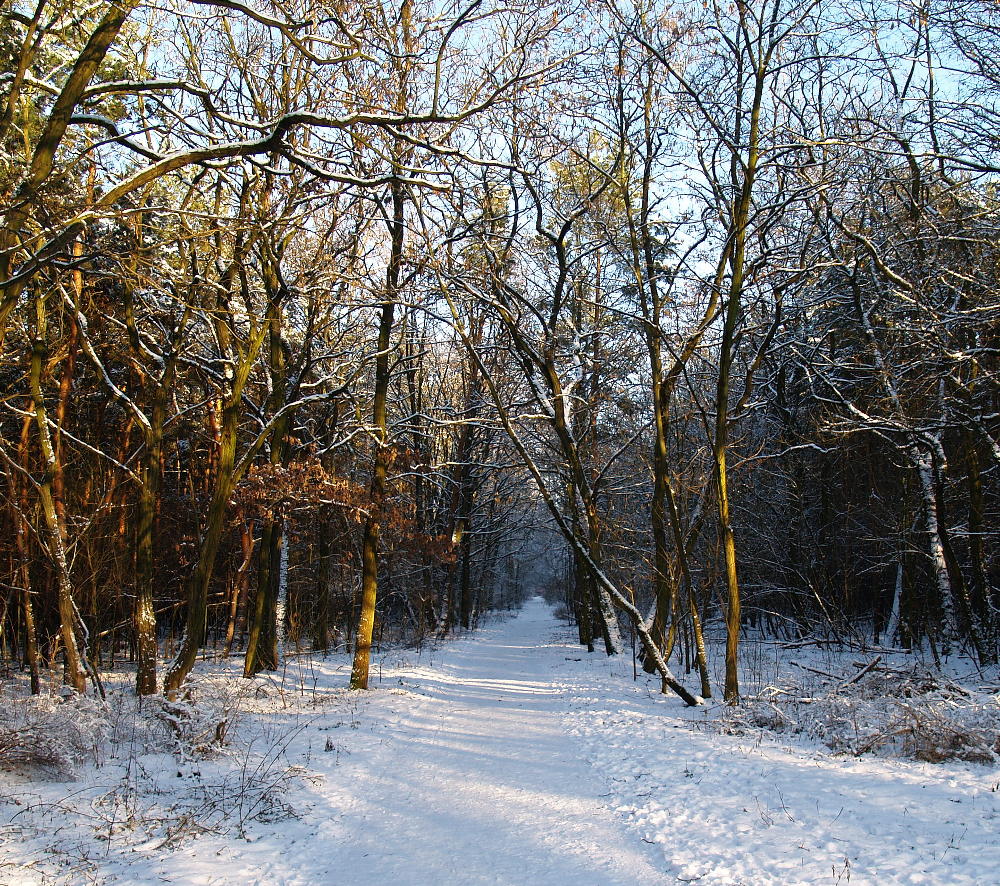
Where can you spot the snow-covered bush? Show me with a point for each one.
(201, 719)
(913, 713)
(927, 729)
(52, 733)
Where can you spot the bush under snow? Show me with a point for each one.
(910, 712)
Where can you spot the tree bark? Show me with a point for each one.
(373, 525)
(24, 567)
(227, 476)
(74, 646)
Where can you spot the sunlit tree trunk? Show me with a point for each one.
(43, 158)
(370, 542)
(70, 623)
(144, 614)
(396, 226)
(196, 598)
(23, 549)
(720, 448)
(744, 172)
(226, 477)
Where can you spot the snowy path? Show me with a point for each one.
(462, 773)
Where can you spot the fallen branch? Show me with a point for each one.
(868, 667)
(814, 670)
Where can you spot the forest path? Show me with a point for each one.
(457, 771)
(478, 781)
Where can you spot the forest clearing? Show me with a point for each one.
(508, 757)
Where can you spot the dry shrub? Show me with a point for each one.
(924, 729)
(203, 717)
(52, 734)
(914, 713)
(934, 737)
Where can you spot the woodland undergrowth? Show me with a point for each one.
(151, 773)
(857, 705)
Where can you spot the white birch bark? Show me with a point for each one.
(950, 631)
(611, 619)
(892, 625)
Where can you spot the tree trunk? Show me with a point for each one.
(465, 584)
(145, 554)
(731, 693)
(892, 623)
(980, 596)
(196, 617)
(144, 613)
(42, 161)
(664, 589)
(582, 581)
(262, 651)
(373, 525)
(324, 583)
(263, 647)
(74, 647)
(23, 548)
(605, 608)
(950, 631)
(698, 637)
(226, 477)
(241, 585)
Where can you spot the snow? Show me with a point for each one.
(509, 756)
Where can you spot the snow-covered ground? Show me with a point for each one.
(505, 757)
